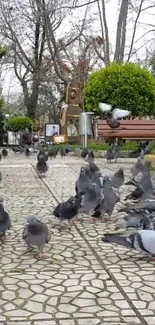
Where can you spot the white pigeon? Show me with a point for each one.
(117, 113)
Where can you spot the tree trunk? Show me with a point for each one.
(121, 31)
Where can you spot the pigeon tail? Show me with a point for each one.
(116, 239)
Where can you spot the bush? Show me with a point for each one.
(20, 123)
(127, 86)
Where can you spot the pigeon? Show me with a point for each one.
(116, 151)
(92, 169)
(113, 114)
(118, 179)
(84, 152)
(142, 206)
(142, 240)
(62, 152)
(138, 167)
(67, 150)
(5, 221)
(4, 152)
(142, 154)
(36, 233)
(90, 157)
(66, 211)
(137, 220)
(27, 152)
(42, 153)
(107, 205)
(136, 194)
(41, 165)
(83, 181)
(109, 155)
(90, 199)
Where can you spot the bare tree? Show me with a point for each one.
(24, 31)
(129, 13)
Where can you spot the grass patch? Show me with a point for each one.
(128, 146)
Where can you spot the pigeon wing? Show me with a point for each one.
(118, 113)
(105, 107)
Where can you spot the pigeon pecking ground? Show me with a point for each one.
(83, 281)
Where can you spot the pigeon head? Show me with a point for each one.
(132, 220)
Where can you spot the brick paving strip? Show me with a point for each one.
(84, 281)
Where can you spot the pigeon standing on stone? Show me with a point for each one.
(5, 221)
(90, 157)
(4, 153)
(27, 152)
(90, 199)
(36, 233)
(83, 182)
(137, 220)
(110, 199)
(66, 211)
(42, 153)
(116, 151)
(118, 179)
(109, 155)
(84, 152)
(138, 167)
(41, 165)
(142, 240)
(62, 152)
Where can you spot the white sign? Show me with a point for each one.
(52, 129)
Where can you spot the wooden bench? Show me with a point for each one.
(129, 129)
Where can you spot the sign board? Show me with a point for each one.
(59, 138)
(52, 129)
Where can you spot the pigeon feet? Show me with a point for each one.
(2, 236)
(42, 255)
(92, 220)
(153, 258)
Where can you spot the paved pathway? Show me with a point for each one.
(84, 281)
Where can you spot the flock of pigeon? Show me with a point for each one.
(96, 196)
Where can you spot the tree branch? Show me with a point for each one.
(134, 29)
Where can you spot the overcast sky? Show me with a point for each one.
(148, 17)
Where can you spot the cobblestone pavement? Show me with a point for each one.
(83, 281)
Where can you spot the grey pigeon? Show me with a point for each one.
(138, 220)
(118, 179)
(83, 181)
(4, 152)
(116, 151)
(66, 211)
(138, 167)
(109, 155)
(142, 154)
(42, 153)
(62, 152)
(142, 240)
(27, 152)
(92, 169)
(110, 199)
(84, 152)
(90, 157)
(41, 165)
(5, 221)
(136, 194)
(90, 199)
(36, 233)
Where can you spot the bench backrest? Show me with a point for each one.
(128, 129)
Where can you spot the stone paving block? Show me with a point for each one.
(72, 286)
